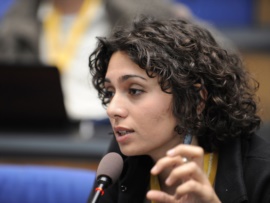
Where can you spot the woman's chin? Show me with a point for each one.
(127, 152)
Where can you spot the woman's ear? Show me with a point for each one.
(203, 93)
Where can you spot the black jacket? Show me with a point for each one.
(243, 175)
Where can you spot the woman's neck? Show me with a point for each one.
(68, 6)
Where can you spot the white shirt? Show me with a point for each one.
(80, 97)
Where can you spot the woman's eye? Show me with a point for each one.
(133, 91)
(108, 94)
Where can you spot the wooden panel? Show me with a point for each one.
(259, 66)
(262, 12)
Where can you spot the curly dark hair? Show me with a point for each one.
(182, 54)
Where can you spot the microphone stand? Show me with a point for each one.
(103, 183)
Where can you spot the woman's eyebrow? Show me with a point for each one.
(126, 77)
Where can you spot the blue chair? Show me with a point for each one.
(44, 184)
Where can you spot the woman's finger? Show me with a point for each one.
(185, 172)
(196, 190)
(159, 196)
(167, 162)
(191, 187)
(192, 153)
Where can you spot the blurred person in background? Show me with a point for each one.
(62, 32)
(57, 33)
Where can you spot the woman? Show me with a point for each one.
(164, 81)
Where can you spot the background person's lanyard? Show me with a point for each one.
(61, 50)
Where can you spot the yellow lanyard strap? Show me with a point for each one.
(210, 166)
(60, 54)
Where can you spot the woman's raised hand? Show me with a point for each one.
(184, 164)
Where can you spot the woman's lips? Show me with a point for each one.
(122, 134)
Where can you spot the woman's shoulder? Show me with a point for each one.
(256, 168)
(256, 147)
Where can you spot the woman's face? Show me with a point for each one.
(139, 111)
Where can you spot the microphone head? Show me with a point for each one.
(111, 165)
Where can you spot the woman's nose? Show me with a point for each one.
(117, 107)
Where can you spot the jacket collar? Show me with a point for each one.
(135, 179)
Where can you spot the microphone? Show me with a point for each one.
(109, 170)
